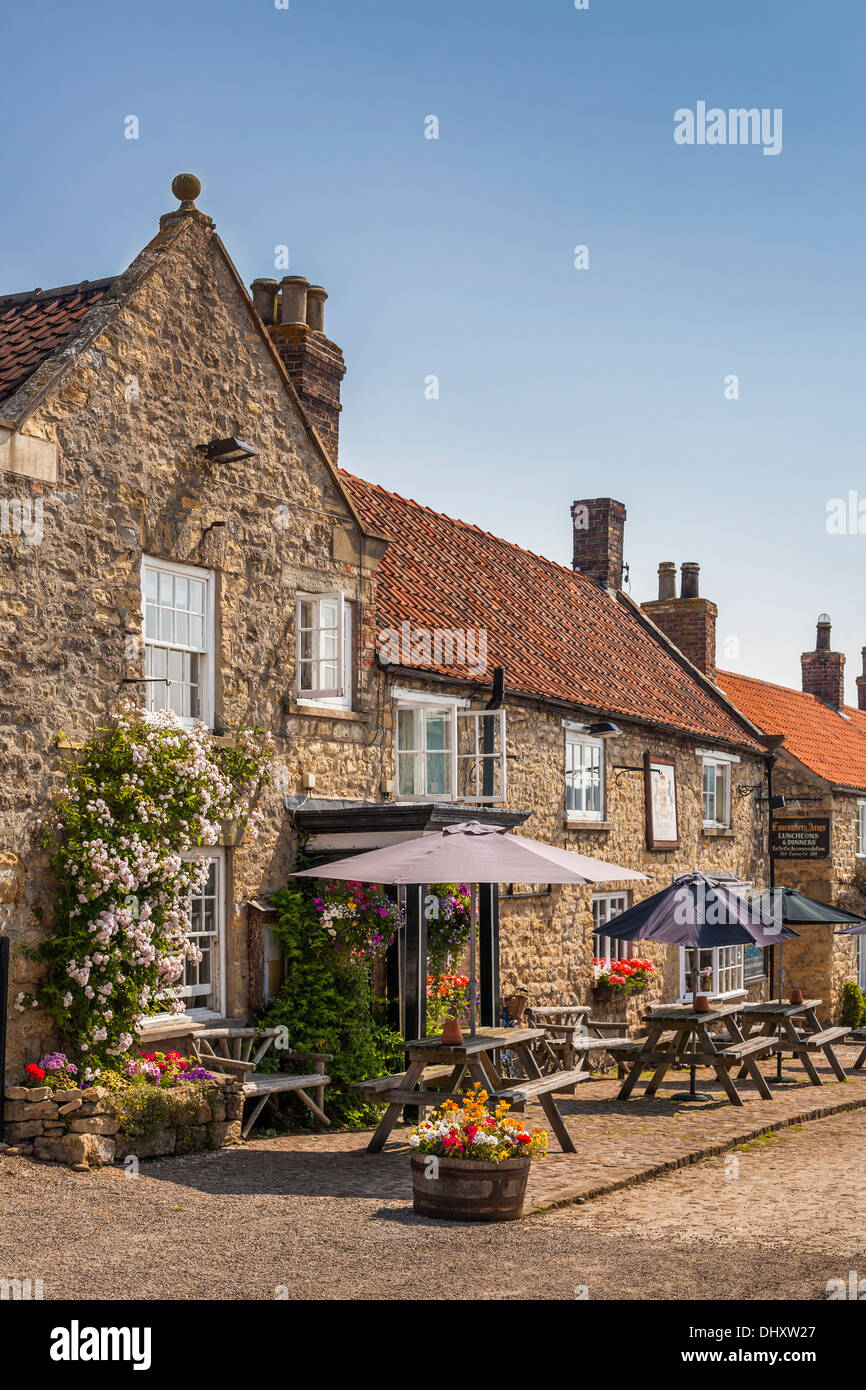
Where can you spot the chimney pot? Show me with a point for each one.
(822, 641)
(689, 585)
(316, 297)
(264, 294)
(293, 300)
(667, 579)
(688, 621)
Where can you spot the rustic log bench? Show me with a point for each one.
(263, 1089)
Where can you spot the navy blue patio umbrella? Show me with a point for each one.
(698, 913)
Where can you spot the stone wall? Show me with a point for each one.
(82, 1127)
(546, 940)
(182, 361)
(819, 961)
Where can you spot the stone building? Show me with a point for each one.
(174, 529)
(819, 770)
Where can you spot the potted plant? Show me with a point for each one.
(617, 979)
(446, 1002)
(471, 1165)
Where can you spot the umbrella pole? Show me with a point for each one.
(473, 948)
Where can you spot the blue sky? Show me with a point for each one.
(454, 256)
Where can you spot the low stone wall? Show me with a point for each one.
(82, 1127)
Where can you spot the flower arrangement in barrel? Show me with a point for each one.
(470, 1131)
(624, 977)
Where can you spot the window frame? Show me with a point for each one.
(178, 569)
(719, 967)
(724, 765)
(629, 951)
(574, 738)
(455, 709)
(860, 849)
(340, 698)
(217, 854)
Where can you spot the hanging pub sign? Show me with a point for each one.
(660, 790)
(800, 837)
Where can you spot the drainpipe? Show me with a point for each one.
(770, 761)
(4, 1009)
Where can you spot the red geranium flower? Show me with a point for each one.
(32, 1070)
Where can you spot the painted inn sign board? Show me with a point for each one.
(800, 838)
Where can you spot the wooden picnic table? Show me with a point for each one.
(436, 1071)
(686, 1026)
(776, 1020)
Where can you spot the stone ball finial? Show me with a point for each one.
(186, 187)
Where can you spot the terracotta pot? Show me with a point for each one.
(796, 996)
(451, 1031)
(460, 1189)
(702, 1004)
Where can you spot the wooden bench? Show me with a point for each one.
(752, 1047)
(823, 1039)
(380, 1084)
(519, 1092)
(859, 1034)
(263, 1089)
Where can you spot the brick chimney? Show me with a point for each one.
(861, 683)
(294, 314)
(824, 670)
(598, 524)
(689, 621)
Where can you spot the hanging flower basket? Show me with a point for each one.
(360, 920)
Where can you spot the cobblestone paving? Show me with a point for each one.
(618, 1142)
(775, 1217)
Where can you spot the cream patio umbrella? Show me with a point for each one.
(472, 853)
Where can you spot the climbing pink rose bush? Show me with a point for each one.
(140, 795)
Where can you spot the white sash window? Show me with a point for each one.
(323, 627)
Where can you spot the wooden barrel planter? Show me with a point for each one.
(466, 1190)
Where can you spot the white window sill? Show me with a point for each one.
(572, 818)
(716, 830)
(730, 998)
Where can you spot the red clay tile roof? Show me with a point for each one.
(36, 322)
(831, 744)
(441, 573)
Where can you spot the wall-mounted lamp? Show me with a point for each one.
(228, 450)
(605, 728)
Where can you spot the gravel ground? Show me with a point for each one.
(776, 1219)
